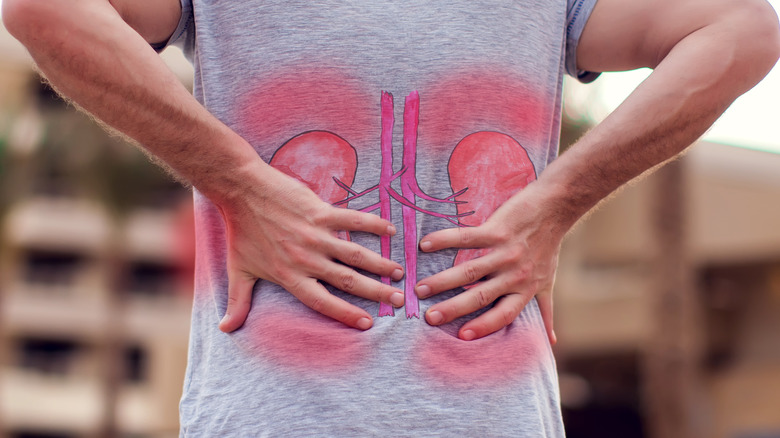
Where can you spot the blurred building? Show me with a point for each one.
(617, 298)
(95, 268)
(667, 297)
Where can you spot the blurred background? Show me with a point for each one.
(667, 296)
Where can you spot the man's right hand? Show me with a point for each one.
(282, 232)
(97, 54)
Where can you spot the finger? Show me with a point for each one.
(461, 237)
(460, 275)
(499, 316)
(342, 219)
(466, 302)
(239, 301)
(545, 303)
(316, 297)
(348, 280)
(360, 257)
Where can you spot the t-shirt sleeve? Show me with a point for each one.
(183, 36)
(577, 16)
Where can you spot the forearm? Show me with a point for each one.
(109, 70)
(688, 90)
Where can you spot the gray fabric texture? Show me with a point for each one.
(484, 78)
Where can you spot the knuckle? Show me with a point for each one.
(234, 301)
(293, 286)
(515, 277)
(347, 281)
(483, 298)
(466, 236)
(507, 317)
(356, 257)
(357, 221)
(514, 253)
(470, 273)
(521, 273)
(317, 303)
(320, 216)
(507, 283)
(301, 257)
(309, 239)
(501, 234)
(279, 272)
(509, 314)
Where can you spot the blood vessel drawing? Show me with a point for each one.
(327, 164)
(410, 190)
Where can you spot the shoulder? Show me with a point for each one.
(628, 34)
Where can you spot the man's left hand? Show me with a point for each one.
(523, 249)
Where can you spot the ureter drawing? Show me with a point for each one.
(410, 191)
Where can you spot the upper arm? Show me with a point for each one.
(629, 34)
(154, 20)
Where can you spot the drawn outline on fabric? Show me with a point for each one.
(343, 156)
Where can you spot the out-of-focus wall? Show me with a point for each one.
(95, 271)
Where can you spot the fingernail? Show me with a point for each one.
(397, 299)
(435, 317)
(425, 245)
(390, 229)
(423, 291)
(224, 319)
(468, 335)
(364, 323)
(397, 275)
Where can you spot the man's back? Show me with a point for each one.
(428, 114)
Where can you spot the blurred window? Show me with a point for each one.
(40, 434)
(136, 363)
(48, 356)
(165, 195)
(613, 396)
(150, 279)
(51, 268)
(53, 183)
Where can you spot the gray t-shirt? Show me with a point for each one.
(427, 112)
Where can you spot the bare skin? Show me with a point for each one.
(704, 55)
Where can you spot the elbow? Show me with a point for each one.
(23, 17)
(774, 42)
(15, 13)
(30, 20)
(19, 16)
(742, 45)
(760, 37)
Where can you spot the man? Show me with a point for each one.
(438, 116)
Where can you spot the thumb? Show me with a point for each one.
(545, 303)
(239, 301)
